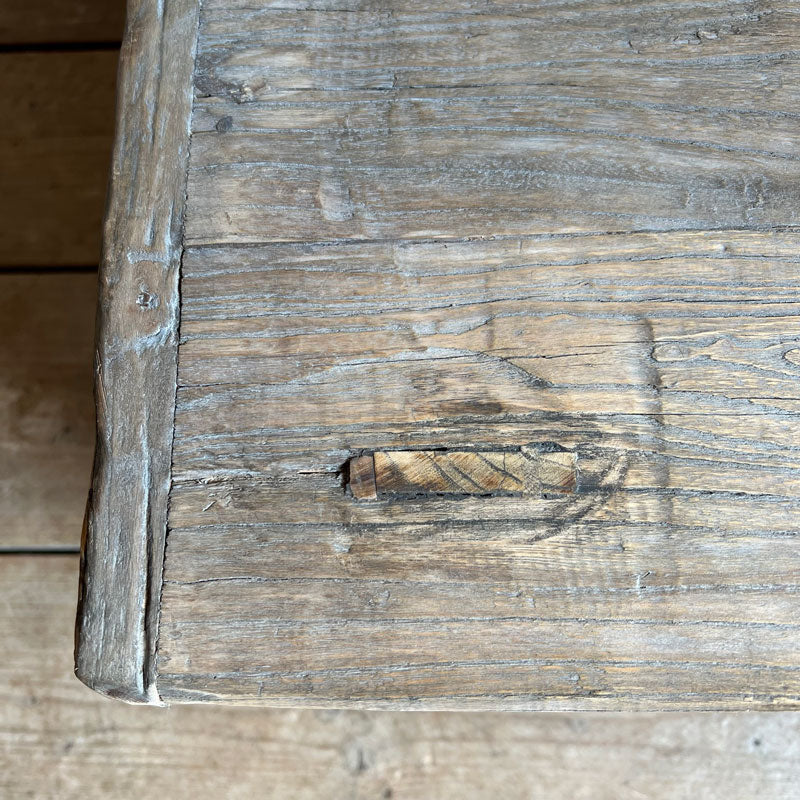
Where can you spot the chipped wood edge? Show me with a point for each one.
(122, 549)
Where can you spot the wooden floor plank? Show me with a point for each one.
(46, 410)
(55, 147)
(34, 22)
(59, 740)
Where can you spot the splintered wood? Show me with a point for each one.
(421, 472)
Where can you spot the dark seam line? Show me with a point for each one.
(81, 269)
(59, 47)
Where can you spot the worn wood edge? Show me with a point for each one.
(122, 547)
(55, 149)
(531, 704)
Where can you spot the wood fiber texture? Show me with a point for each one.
(488, 226)
(54, 22)
(136, 352)
(464, 472)
(58, 741)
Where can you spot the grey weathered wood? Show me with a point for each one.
(46, 412)
(458, 120)
(58, 740)
(136, 353)
(682, 562)
(487, 227)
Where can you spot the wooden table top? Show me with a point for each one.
(448, 357)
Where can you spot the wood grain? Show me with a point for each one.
(58, 740)
(135, 363)
(462, 120)
(55, 146)
(32, 22)
(46, 410)
(487, 227)
(462, 472)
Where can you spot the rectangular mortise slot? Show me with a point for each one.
(526, 471)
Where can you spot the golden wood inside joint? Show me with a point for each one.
(419, 472)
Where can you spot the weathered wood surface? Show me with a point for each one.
(135, 363)
(46, 410)
(54, 22)
(55, 145)
(481, 227)
(462, 119)
(59, 741)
